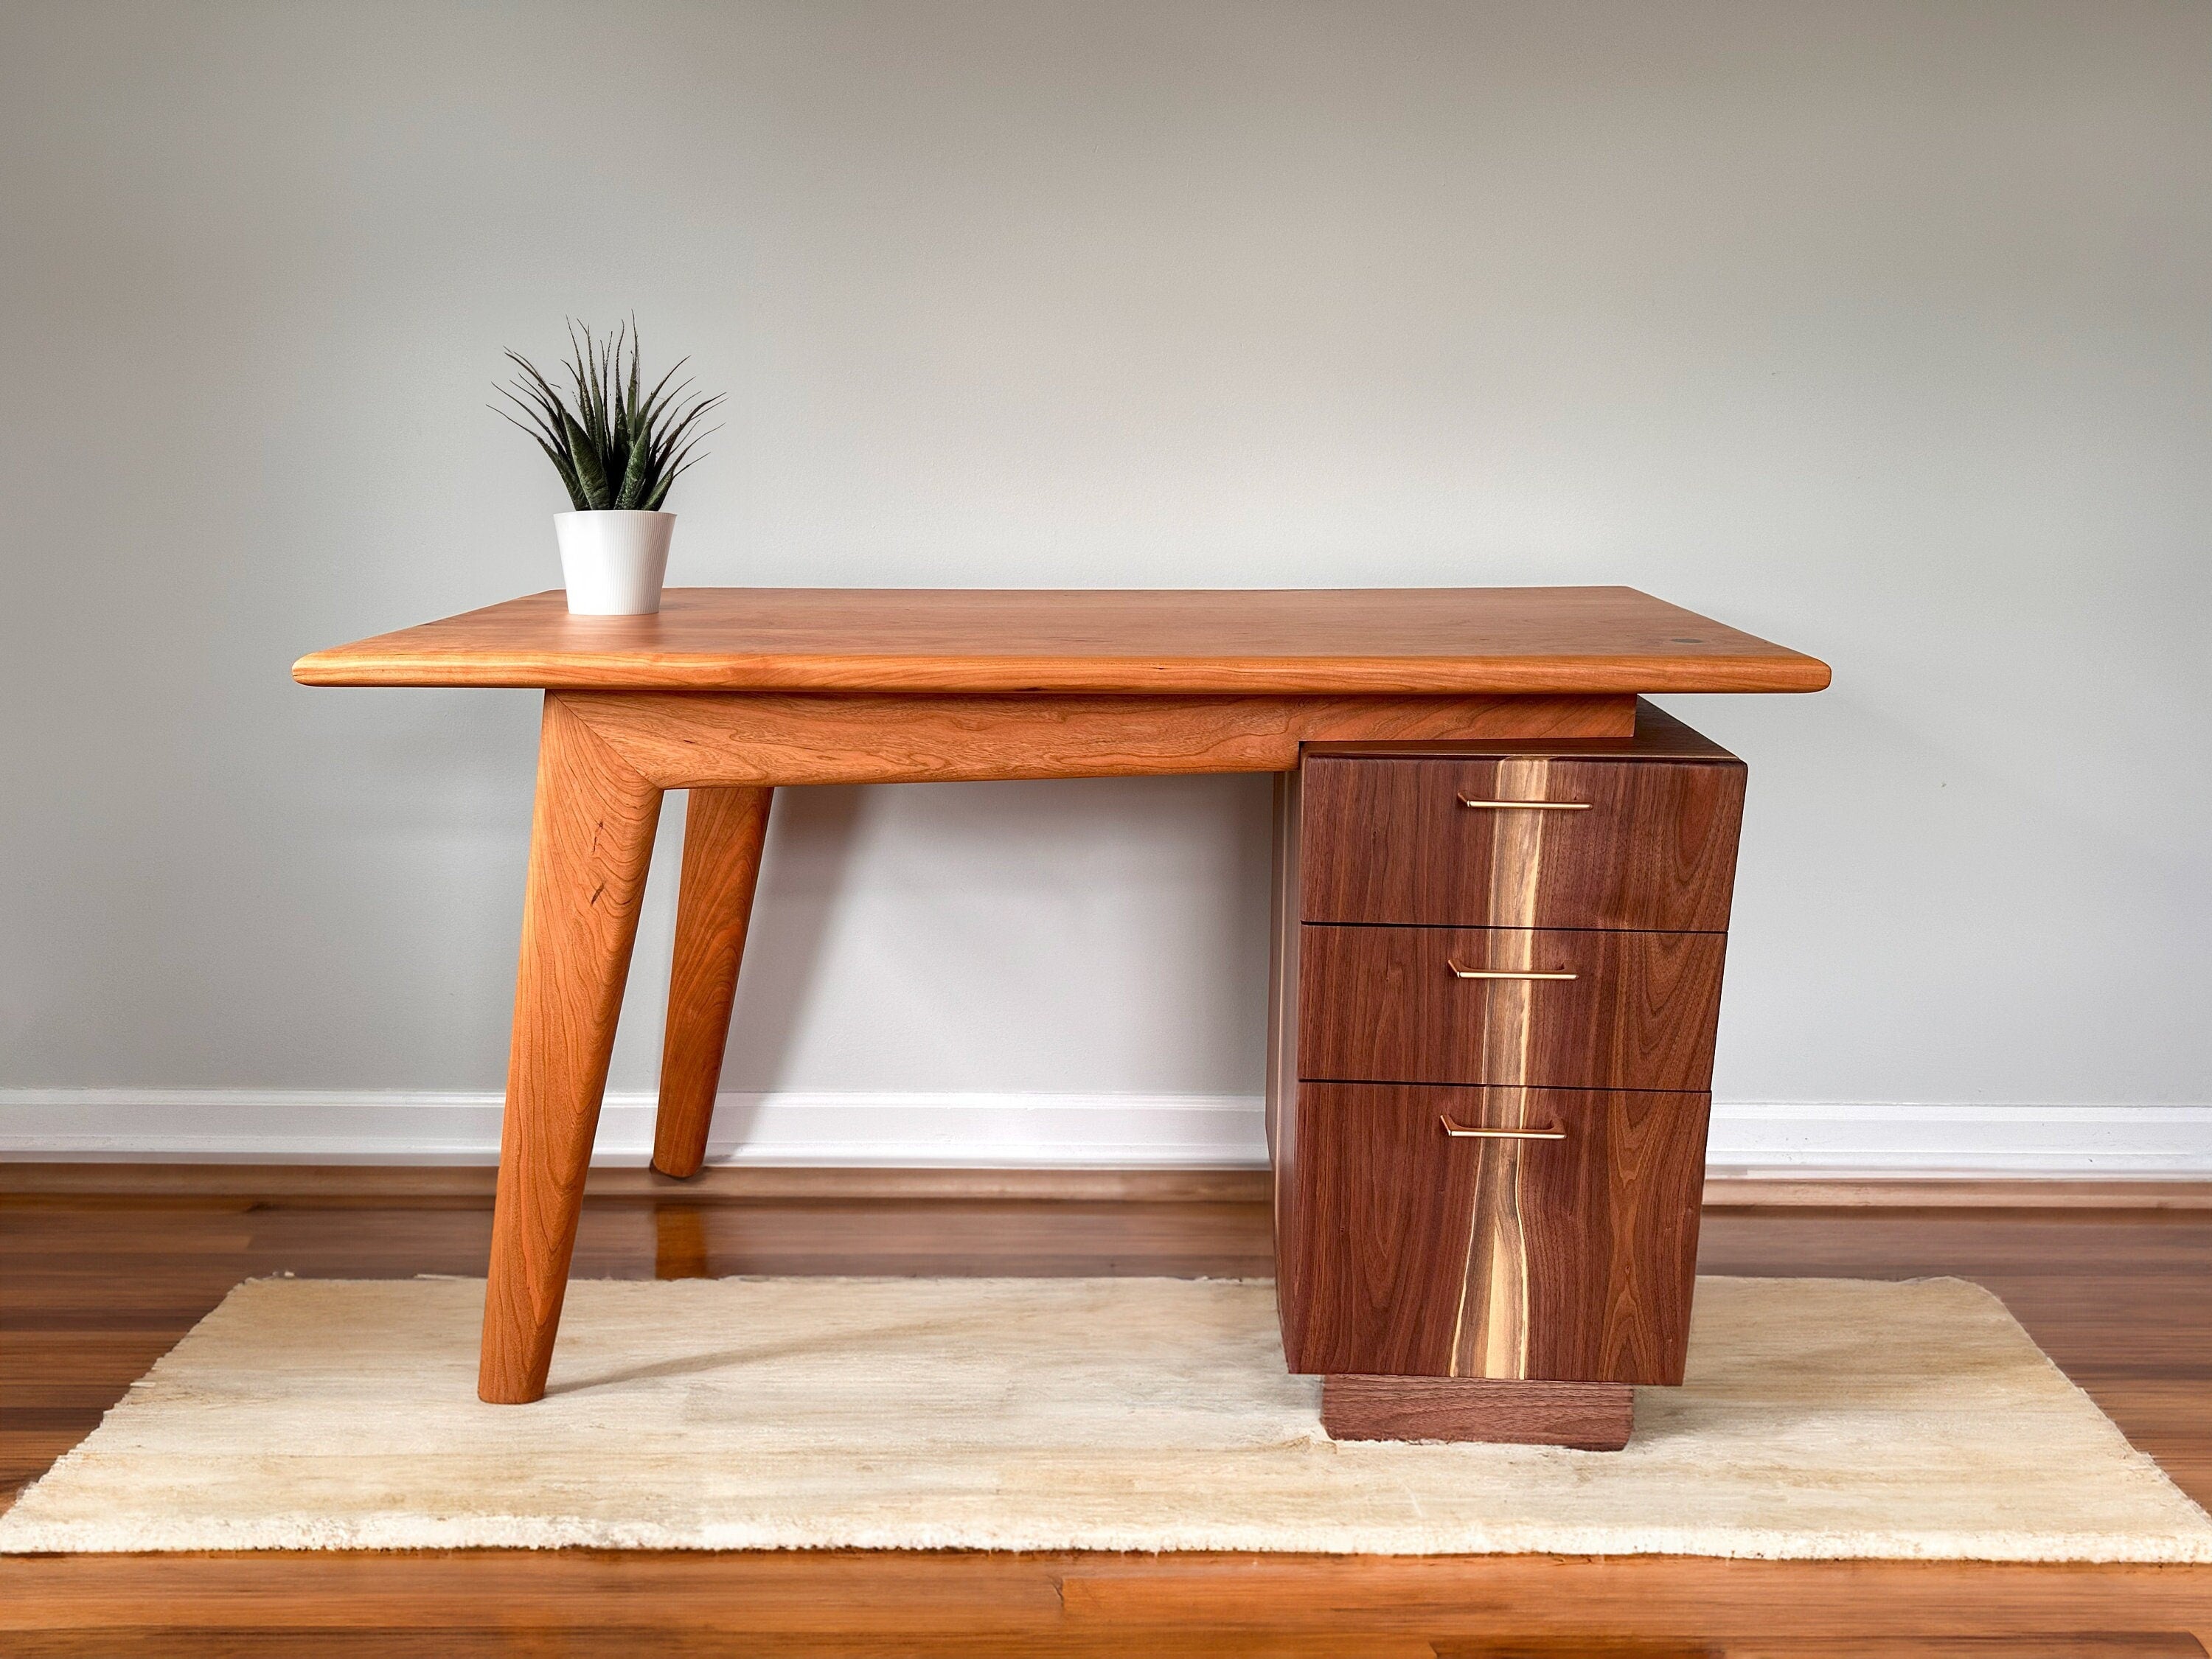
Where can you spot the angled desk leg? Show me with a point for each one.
(591, 836)
(722, 841)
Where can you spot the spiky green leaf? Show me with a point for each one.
(638, 476)
(589, 473)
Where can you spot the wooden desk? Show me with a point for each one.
(731, 692)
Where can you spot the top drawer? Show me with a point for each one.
(1520, 841)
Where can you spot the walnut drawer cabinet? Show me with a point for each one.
(1497, 977)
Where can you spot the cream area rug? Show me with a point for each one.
(1821, 1418)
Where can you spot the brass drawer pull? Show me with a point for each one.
(1527, 805)
(1463, 972)
(1459, 1133)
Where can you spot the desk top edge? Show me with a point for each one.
(1252, 641)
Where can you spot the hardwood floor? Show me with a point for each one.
(92, 1289)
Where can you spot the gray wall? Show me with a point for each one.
(1878, 329)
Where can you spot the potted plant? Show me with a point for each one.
(617, 449)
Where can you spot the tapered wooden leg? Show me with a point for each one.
(590, 840)
(722, 841)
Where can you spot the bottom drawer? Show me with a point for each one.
(1404, 1249)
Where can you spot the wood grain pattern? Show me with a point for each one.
(1654, 735)
(703, 738)
(1375, 641)
(724, 831)
(1282, 1078)
(1380, 1272)
(591, 837)
(1390, 840)
(1382, 1004)
(1588, 1416)
(92, 1289)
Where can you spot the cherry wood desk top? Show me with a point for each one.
(1240, 640)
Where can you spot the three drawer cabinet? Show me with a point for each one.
(1497, 972)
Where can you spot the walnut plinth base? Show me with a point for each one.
(1588, 1416)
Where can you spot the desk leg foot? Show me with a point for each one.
(591, 837)
(722, 840)
(1593, 1416)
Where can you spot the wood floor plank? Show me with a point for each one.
(2066, 1644)
(26, 1454)
(645, 1642)
(1640, 1596)
(962, 1593)
(83, 1360)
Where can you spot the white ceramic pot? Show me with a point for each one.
(613, 562)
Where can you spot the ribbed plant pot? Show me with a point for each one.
(613, 563)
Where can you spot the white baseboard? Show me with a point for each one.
(1799, 1139)
(1791, 1139)
(789, 1130)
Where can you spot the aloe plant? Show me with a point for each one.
(617, 446)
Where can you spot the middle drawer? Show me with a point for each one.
(1539, 1007)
